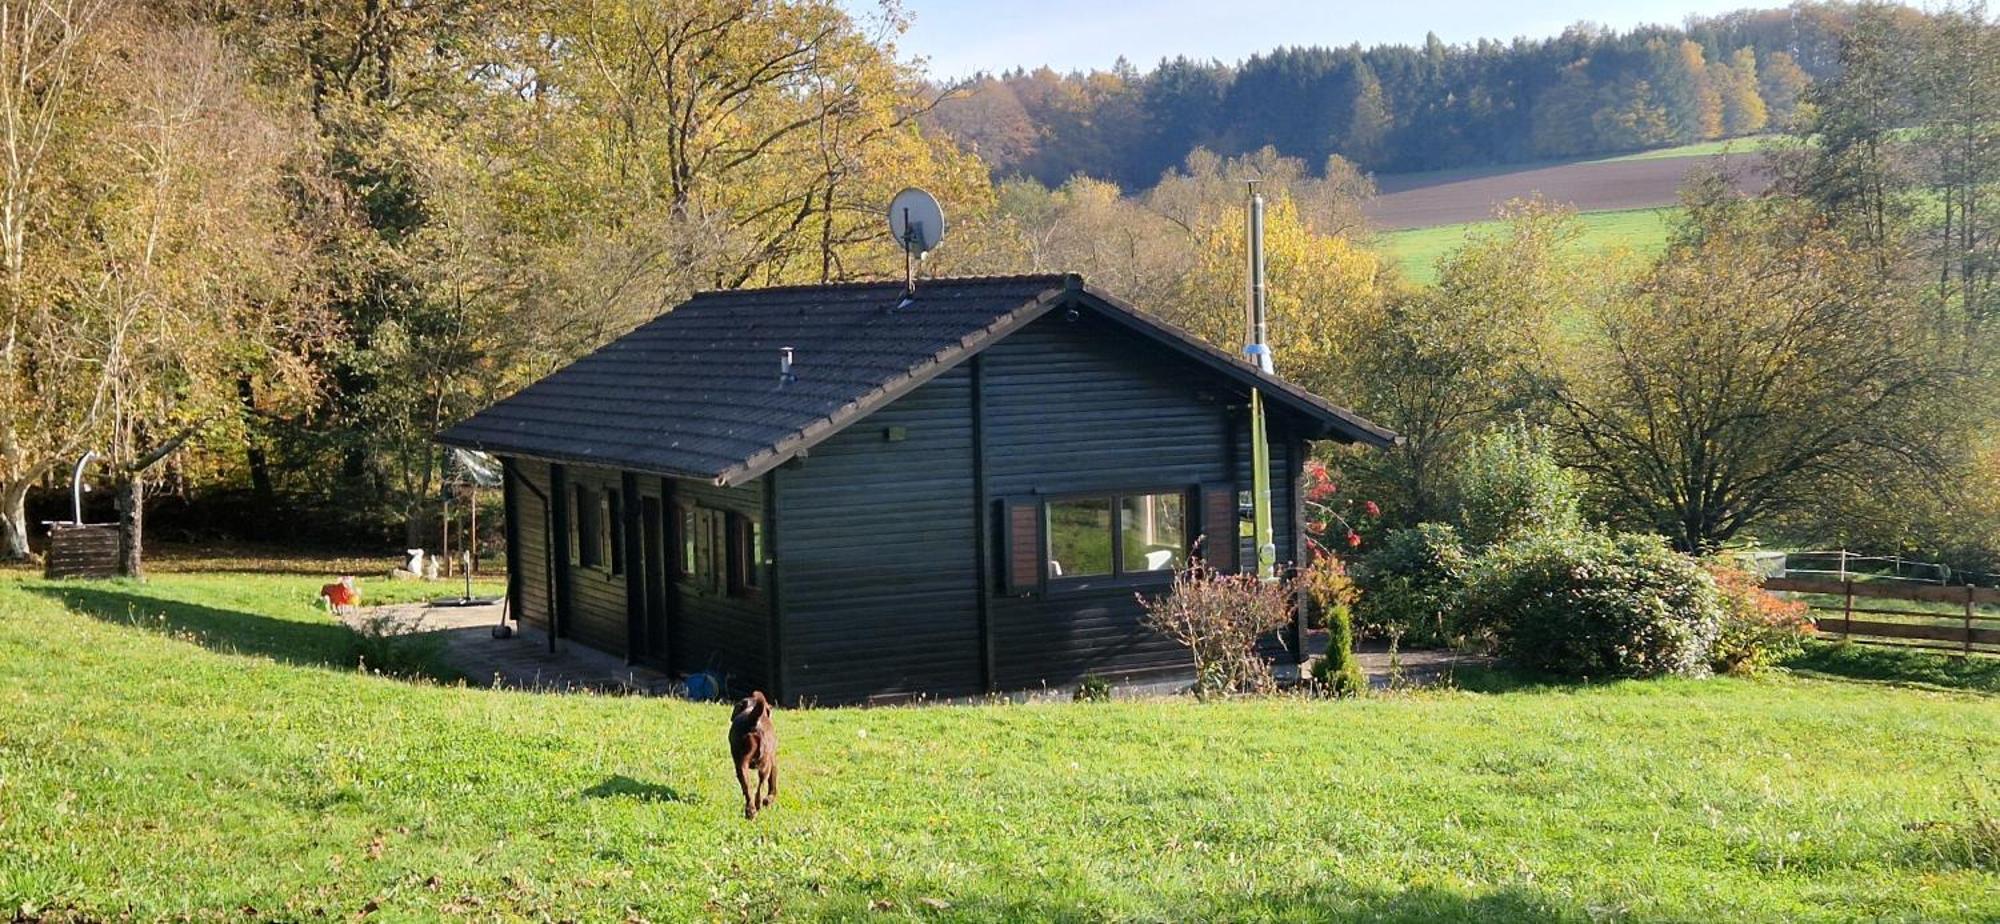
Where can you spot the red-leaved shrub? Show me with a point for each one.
(1759, 628)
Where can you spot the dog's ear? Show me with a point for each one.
(758, 695)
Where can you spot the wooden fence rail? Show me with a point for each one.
(1963, 629)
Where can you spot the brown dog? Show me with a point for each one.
(754, 745)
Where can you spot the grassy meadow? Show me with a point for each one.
(1640, 232)
(200, 747)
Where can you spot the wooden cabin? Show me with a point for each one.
(841, 494)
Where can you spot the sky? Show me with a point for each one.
(961, 37)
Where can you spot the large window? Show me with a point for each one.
(1117, 534)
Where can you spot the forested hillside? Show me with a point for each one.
(1396, 108)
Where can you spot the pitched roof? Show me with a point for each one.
(695, 391)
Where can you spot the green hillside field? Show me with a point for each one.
(1641, 232)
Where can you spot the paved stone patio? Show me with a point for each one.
(520, 662)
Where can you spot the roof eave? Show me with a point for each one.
(447, 439)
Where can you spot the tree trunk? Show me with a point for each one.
(416, 525)
(14, 520)
(254, 456)
(131, 526)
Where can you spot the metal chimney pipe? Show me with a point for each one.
(785, 376)
(1259, 345)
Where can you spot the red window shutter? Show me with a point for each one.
(1021, 545)
(1219, 519)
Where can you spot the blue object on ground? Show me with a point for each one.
(704, 686)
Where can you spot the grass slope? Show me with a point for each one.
(197, 747)
(1643, 232)
(1747, 145)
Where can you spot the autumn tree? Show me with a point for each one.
(51, 52)
(1898, 151)
(1320, 286)
(1780, 82)
(192, 280)
(1957, 81)
(1761, 362)
(1743, 109)
(1441, 364)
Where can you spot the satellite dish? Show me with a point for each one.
(916, 221)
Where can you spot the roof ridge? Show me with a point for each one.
(990, 279)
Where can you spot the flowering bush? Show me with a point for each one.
(1219, 618)
(1759, 628)
(1333, 522)
(1592, 604)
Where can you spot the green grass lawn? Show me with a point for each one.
(199, 746)
(1642, 232)
(1746, 145)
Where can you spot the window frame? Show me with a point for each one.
(586, 527)
(1119, 575)
(745, 559)
(612, 510)
(705, 549)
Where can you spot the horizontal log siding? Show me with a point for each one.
(877, 554)
(597, 597)
(719, 631)
(530, 530)
(1072, 406)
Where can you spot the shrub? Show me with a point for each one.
(1333, 594)
(1592, 604)
(384, 645)
(1759, 628)
(1409, 584)
(1092, 689)
(1509, 486)
(1219, 618)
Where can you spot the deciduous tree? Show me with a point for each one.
(1759, 362)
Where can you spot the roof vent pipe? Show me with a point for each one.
(785, 374)
(1259, 347)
